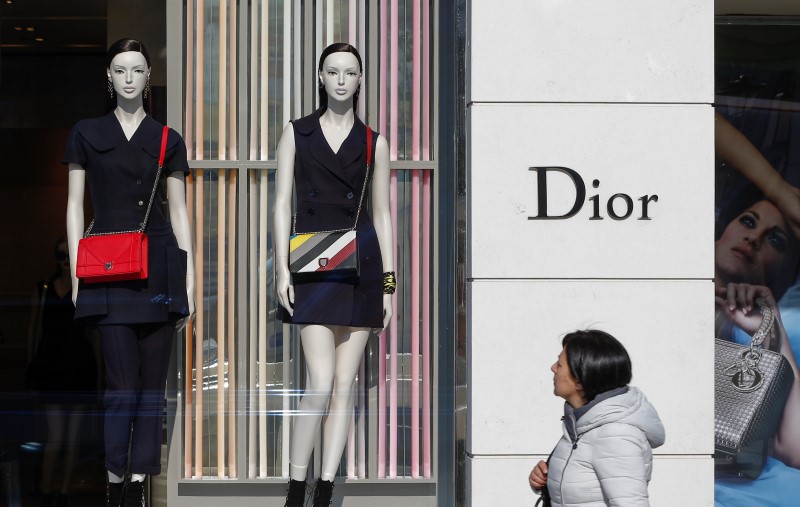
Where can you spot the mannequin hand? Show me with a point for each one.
(787, 199)
(538, 477)
(738, 301)
(387, 309)
(74, 290)
(190, 301)
(285, 289)
(190, 298)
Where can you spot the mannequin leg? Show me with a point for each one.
(154, 346)
(350, 345)
(121, 359)
(319, 351)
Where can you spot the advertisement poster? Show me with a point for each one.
(757, 250)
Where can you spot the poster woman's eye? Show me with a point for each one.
(748, 220)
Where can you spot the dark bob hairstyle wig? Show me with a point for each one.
(598, 361)
(125, 45)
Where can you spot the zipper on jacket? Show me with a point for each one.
(566, 463)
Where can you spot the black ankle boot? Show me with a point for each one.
(134, 494)
(323, 493)
(296, 494)
(114, 492)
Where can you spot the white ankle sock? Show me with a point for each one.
(114, 478)
(137, 477)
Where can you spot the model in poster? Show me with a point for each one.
(323, 156)
(756, 250)
(117, 156)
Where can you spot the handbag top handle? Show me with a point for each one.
(161, 155)
(360, 201)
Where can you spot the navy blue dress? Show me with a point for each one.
(120, 174)
(328, 187)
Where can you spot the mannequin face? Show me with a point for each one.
(341, 76)
(565, 385)
(129, 73)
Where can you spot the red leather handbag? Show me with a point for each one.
(116, 256)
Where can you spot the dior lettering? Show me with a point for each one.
(619, 206)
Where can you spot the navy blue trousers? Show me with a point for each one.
(136, 358)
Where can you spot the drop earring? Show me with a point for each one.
(110, 90)
(146, 88)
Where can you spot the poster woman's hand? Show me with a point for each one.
(738, 301)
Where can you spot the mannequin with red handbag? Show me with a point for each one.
(132, 273)
(341, 177)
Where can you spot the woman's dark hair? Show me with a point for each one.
(124, 45)
(61, 240)
(598, 361)
(337, 47)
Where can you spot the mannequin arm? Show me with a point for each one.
(382, 217)
(282, 218)
(176, 195)
(734, 148)
(75, 219)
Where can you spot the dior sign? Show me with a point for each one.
(619, 206)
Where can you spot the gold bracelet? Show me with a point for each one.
(389, 282)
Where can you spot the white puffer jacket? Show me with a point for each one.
(605, 458)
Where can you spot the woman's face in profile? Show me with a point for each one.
(565, 385)
(755, 247)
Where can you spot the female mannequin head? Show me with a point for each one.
(340, 73)
(128, 68)
(595, 362)
(758, 248)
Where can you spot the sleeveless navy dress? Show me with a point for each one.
(328, 187)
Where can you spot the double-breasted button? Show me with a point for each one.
(138, 182)
(349, 195)
(314, 193)
(351, 213)
(141, 203)
(310, 212)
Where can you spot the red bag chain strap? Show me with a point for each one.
(164, 135)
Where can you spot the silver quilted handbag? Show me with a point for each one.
(750, 388)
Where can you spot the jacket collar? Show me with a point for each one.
(572, 415)
(105, 133)
(351, 150)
